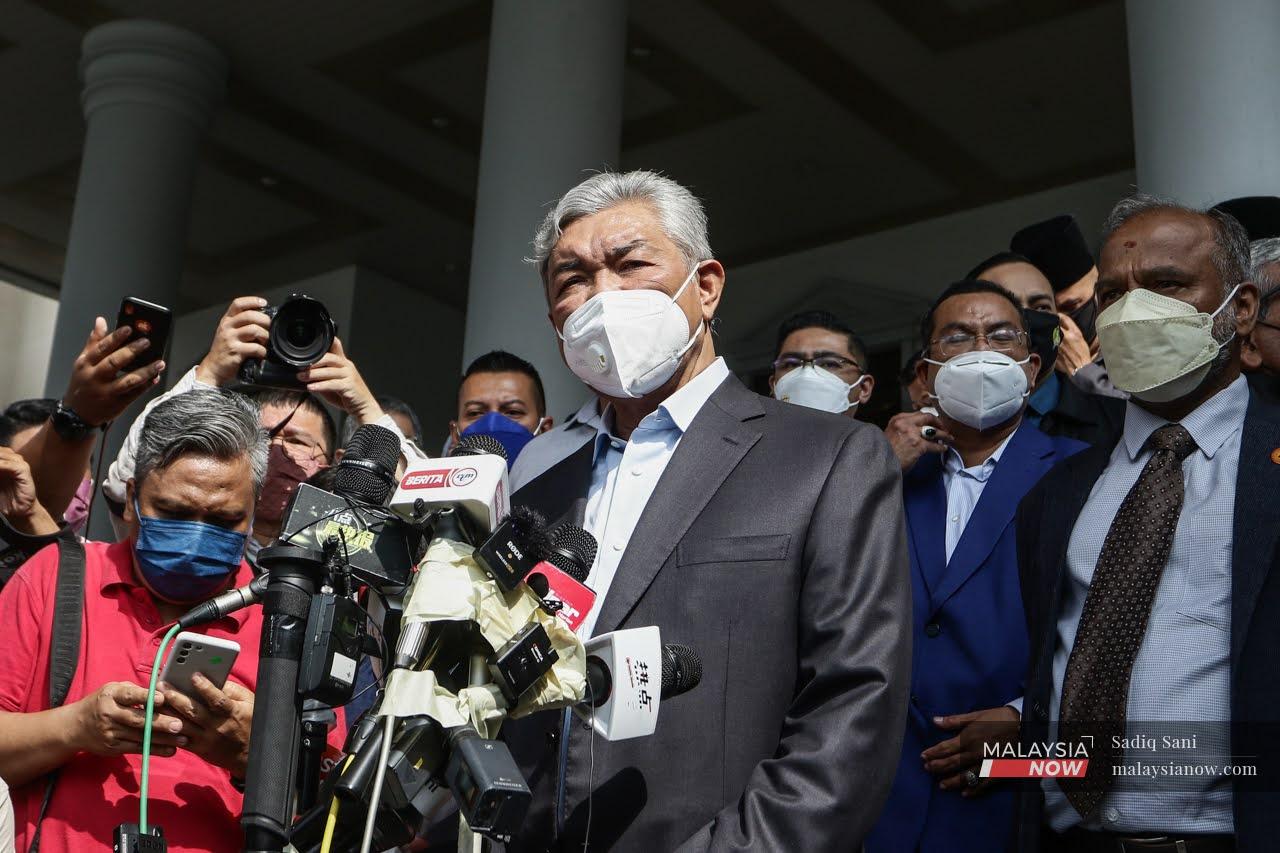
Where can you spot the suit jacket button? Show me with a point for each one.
(553, 738)
(933, 629)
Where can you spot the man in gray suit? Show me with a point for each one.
(767, 537)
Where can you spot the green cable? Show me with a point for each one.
(146, 732)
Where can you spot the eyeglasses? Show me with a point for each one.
(833, 363)
(1000, 340)
(298, 448)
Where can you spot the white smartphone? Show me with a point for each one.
(210, 656)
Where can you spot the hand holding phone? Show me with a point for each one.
(147, 320)
(212, 657)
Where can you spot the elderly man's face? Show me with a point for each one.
(1169, 252)
(624, 247)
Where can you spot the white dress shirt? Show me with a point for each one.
(964, 489)
(625, 473)
(1182, 670)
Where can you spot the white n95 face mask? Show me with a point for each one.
(1158, 348)
(981, 388)
(810, 385)
(626, 343)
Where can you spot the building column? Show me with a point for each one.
(552, 111)
(149, 92)
(1206, 104)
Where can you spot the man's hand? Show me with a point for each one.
(951, 758)
(111, 721)
(908, 444)
(100, 388)
(242, 333)
(1073, 353)
(18, 502)
(216, 721)
(335, 379)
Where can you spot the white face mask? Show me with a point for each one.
(981, 388)
(626, 343)
(1158, 348)
(810, 385)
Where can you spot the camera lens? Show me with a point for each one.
(301, 331)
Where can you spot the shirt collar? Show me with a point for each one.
(1210, 424)
(674, 413)
(588, 415)
(955, 465)
(118, 570)
(1045, 398)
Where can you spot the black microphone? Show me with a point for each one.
(516, 545)
(572, 551)
(228, 602)
(681, 672)
(367, 470)
(476, 444)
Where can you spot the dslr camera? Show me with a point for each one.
(301, 333)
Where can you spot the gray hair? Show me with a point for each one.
(213, 423)
(683, 218)
(1231, 242)
(1263, 255)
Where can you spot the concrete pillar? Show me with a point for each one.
(149, 92)
(552, 111)
(1206, 104)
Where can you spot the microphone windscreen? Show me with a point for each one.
(573, 550)
(529, 528)
(475, 444)
(681, 670)
(367, 472)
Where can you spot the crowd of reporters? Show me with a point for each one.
(1041, 376)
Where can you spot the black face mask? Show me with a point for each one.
(1045, 335)
(1086, 317)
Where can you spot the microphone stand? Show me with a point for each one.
(295, 573)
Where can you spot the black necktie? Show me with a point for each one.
(1095, 689)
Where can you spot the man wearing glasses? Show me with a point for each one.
(820, 363)
(970, 640)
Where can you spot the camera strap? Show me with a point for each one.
(64, 651)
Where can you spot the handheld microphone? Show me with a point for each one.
(367, 470)
(629, 674)
(228, 602)
(472, 479)
(558, 579)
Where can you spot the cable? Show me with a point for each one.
(331, 823)
(97, 477)
(375, 798)
(146, 731)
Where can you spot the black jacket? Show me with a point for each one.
(1091, 418)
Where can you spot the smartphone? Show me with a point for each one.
(210, 656)
(148, 320)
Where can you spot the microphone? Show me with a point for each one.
(473, 479)
(228, 602)
(558, 579)
(367, 470)
(629, 674)
(515, 547)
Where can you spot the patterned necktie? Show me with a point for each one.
(1095, 689)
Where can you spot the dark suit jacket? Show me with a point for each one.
(1091, 418)
(773, 545)
(1045, 522)
(970, 640)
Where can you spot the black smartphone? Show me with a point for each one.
(148, 320)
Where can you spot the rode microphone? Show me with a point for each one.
(629, 674)
(473, 480)
(558, 579)
(228, 602)
(515, 547)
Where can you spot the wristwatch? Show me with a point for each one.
(68, 425)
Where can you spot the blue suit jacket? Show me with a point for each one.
(970, 642)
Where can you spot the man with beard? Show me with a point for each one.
(1143, 566)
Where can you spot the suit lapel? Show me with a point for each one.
(925, 498)
(1257, 514)
(1020, 466)
(560, 492)
(710, 449)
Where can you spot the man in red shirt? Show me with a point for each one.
(201, 461)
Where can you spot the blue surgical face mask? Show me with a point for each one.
(511, 435)
(186, 561)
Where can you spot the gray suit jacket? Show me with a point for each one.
(774, 546)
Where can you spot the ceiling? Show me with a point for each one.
(350, 131)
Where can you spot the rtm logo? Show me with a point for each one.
(440, 479)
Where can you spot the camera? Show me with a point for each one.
(301, 333)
